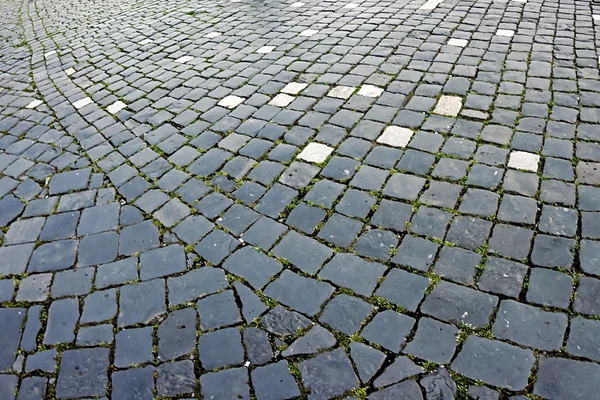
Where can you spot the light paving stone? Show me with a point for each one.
(341, 92)
(184, 59)
(116, 107)
(82, 103)
(309, 32)
(282, 100)
(315, 152)
(448, 105)
(505, 32)
(370, 91)
(294, 88)
(297, 4)
(213, 35)
(231, 101)
(69, 71)
(458, 42)
(34, 104)
(145, 42)
(265, 49)
(351, 5)
(523, 160)
(395, 136)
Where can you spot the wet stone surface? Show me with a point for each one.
(316, 199)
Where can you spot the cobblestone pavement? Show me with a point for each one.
(318, 199)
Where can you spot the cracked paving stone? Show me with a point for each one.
(367, 360)
(439, 385)
(314, 341)
(400, 369)
(218, 310)
(346, 313)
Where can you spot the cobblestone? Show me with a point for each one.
(299, 200)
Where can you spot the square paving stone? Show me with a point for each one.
(340, 230)
(132, 383)
(324, 193)
(441, 194)
(583, 338)
(369, 178)
(403, 289)
(317, 374)
(172, 212)
(552, 251)
(54, 256)
(549, 288)
(24, 231)
(416, 253)
(479, 202)
(220, 348)
(193, 228)
(415, 161)
(510, 241)
(60, 226)
(298, 175)
(15, 258)
(140, 303)
(34, 288)
(353, 272)
(133, 346)
(586, 301)
(388, 329)
(301, 294)
(340, 168)
(137, 238)
(98, 249)
(468, 232)
(175, 378)
(558, 221)
(451, 302)
(566, 379)
(457, 265)
(346, 313)
(430, 222)
(83, 373)
(501, 276)
(495, 363)
(99, 306)
(434, 341)
(518, 209)
(305, 218)
(226, 384)
(62, 318)
(377, 244)
(274, 381)
(216, 246)
(355, 203)
(72, 180)
(218, 310)
(73, 282)
(99, 219)
(404, 187)
(264, 233)
(303, 252)
(161, 262)
(530, 326)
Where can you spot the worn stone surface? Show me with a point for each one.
(222, 194)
